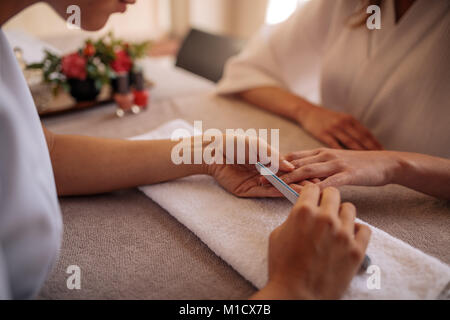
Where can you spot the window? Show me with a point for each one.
(280, 10)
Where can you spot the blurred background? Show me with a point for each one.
(196, 36)
(164, 21)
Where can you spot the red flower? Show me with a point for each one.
(74, 66)
(122, 63)
(89, 50)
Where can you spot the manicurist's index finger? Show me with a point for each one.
(309, 197)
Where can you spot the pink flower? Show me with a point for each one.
(122, 63)
(74, 66)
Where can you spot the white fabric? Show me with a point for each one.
(30, 220)
(395, 80)
(177, 81)
(33, 49)
(237, 230)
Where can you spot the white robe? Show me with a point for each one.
(395, 80)
(30, 217)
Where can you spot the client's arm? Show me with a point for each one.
(427, 174)
(87, 165)
(317, 251)
(335, 129)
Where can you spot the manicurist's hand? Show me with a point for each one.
(243, 180)
(317, 251)
(336, 129)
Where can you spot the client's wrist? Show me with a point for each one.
(397, 166)
(302, 110)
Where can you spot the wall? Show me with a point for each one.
(139, 22)
(150, 19)
(238, 18)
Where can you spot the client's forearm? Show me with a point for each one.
(279, 101)
(85, 165)
(427, 174)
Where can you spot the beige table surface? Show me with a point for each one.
(130, 248)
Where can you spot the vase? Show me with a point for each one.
(83, 90)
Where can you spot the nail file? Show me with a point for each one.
(279, 184)
(292, 196)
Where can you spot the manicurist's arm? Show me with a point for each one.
(87, 165)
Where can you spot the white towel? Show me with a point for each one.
(237, 230)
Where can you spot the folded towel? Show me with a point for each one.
(238, 230)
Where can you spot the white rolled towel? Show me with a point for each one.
(237, 230)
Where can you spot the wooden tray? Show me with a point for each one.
(64, 102)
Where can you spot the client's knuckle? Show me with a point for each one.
(340, 164)
(297, 163)
(329, 154)
(307, 169)
(289, 177)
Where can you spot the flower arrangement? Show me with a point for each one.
(83, 73)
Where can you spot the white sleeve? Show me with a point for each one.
(277, 55)
(4, 283)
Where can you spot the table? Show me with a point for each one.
(130, 248)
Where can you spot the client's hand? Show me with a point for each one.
(317, 251)
(342, 167)
(337, 129)
(243, 180)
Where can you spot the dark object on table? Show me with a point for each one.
(130, 93)
(115, 81)
(141, 95)
(83, 90)
(365, 264)
(122, 94)
(205, 54)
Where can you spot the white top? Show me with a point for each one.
(395, 80)
(30, 219)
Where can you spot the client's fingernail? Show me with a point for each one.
(290, 165)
